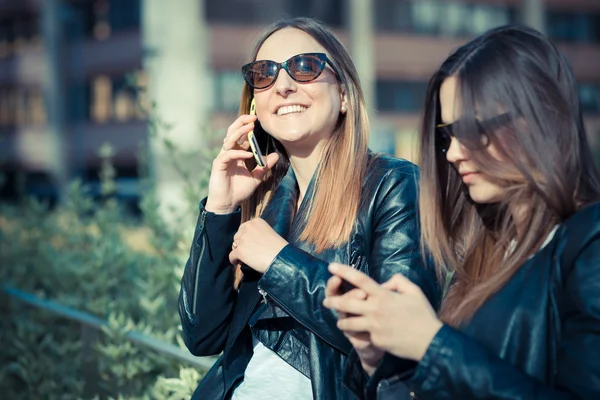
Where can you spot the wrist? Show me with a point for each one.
(427, 338)
(219, 209)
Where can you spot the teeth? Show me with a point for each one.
(290, 109)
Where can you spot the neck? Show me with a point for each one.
(304, 162)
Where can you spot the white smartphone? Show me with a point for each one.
(253, 142)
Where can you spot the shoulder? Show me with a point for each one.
(579, 274)
(386, 172)
(390, 182)
(579, 246)
(385, 165)
(583, 227)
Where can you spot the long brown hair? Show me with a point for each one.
(343, 164)
(550, 168)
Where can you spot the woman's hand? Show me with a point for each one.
(256, 244)
(368, 353)
(230, 181)
(396, 314)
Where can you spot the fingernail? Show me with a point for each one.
(333, 267)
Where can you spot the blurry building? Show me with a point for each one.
(100, 56)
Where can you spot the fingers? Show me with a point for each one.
(401, 284)
(237, 133)
(356, 278)
(347, 304)
(226, 157)
(357, 294)
(271, 160)
(240, 122)
(333, 286)
(359, 340)
(233, 257)
(353, 324)
(258, 173)
(238, 139)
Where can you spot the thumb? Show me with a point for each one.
(258, 173)
(271, 160)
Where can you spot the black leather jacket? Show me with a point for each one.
(292, 321)
(537, 338)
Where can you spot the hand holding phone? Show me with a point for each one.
(253, 142)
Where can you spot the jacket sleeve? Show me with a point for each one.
(207, 296)
(296, 280)
(457, 366)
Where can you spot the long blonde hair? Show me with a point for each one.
(335, 200)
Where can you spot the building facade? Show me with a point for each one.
(68, 69)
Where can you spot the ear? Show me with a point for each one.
(343, 101)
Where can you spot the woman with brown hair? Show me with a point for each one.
(320, 197)
(508, 203)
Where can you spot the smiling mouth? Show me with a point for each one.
(285, 110)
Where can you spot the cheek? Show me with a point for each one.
(262, 104)
(335, 99)
(327, 95)
(486, 192)
(495, 153)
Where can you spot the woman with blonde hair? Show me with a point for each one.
(255, 280)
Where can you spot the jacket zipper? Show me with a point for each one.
(263, 294)
(293, 315)
(202, 219)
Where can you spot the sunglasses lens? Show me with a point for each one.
(260, 74)
(305, 68)
(444, 135)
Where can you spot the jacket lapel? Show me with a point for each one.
(279, 212)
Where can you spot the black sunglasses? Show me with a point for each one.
(445, 132)
(302, 68)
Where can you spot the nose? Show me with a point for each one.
(284, 84)
(456, 152)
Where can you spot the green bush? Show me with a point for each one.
(89, 255)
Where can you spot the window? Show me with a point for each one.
(400, 96)
(426, 18)
(102, 18)
(252, 12)
(124, 14)
(589, 98)
(101, 99)
(574, 27)
(107, 99)
(21, 106)
(18, 32)
(438, 17)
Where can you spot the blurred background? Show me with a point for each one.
(110, 114)
(69, 71)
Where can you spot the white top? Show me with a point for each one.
(269, 377)
(549, 238)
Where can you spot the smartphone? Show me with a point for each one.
(253, 142)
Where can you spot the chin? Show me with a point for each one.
(485, 195)
(289, 137)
